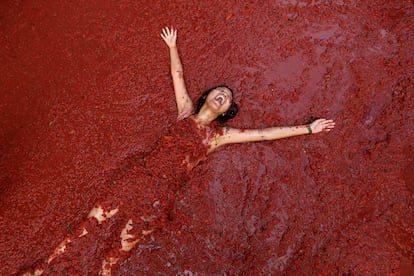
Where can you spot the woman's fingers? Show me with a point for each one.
(327, 125)
(329, 122)
(165, 33)
(169, 35)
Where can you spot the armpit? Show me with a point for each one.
(185, 114)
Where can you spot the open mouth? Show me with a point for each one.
(221, 99)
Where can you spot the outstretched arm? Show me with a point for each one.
(232, 135)
(184, 103)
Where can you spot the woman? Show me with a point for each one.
(218, 101)
(160, 174)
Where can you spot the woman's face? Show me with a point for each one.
(219, 100)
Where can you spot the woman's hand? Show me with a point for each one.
(169, 36)
(322, 125)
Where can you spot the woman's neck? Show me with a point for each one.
(204, 117)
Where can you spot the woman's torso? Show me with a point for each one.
(180, 148)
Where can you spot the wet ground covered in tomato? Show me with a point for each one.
(86, 84)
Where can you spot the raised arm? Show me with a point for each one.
(232, 135)
(184, 103)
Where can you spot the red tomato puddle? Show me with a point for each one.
(86, 91)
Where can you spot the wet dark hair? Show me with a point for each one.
(229, 114)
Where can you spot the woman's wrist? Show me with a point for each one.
(309, 129)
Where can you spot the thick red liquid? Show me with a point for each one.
(86, 84)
